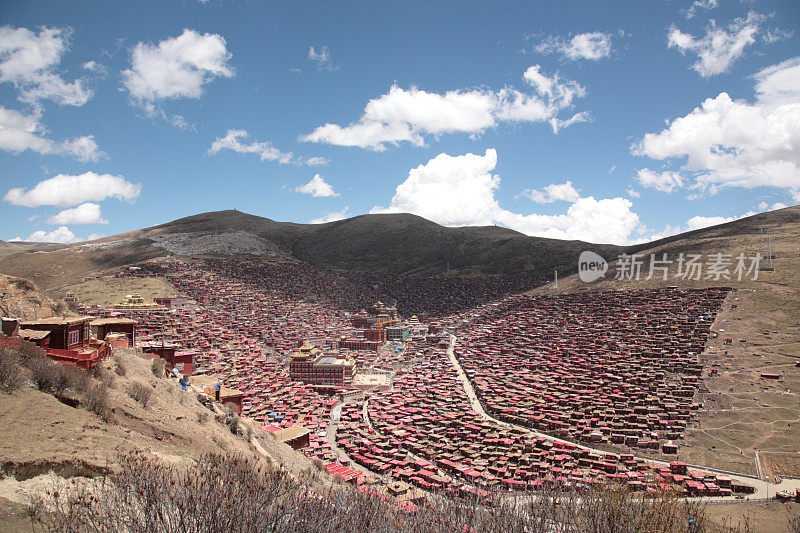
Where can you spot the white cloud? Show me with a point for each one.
(317, 188)
(322, 58)
(660, 181)
(100, 70)
(87, 213)
(333, 216)
(176, 68)
(775, 35)
(29, 60)
(408, 115)
(633, 193)
(180, 122)
(95, 236)
(62, 235)
(700, 222)
(564, 192)
(316, 161)
(592, 46)
(764, 206)
(20, 132)
(719, 48)
(16, 239)
(265, 150)
(65, 190)
(732, 143)
(705, 5)
(460, 191)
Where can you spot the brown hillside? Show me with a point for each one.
(21, 299)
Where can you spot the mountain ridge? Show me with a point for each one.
(393, 244)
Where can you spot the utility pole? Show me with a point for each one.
(555, 282)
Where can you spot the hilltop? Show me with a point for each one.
(387, 244)
(731, 238)
(395, 244)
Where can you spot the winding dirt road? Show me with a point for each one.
(763, 489)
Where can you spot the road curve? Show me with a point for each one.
(763, 489)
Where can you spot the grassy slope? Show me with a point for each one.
(110, 290)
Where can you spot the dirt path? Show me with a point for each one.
(763, 489)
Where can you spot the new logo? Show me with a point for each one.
(591, 266)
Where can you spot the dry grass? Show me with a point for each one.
(158, 367)
(141, 393)
(95, 399)
(121, 368)
(111, 290)
(145, 495)
(11, 376)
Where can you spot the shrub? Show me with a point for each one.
(235, 424)
(23, 284)
(28, 350)
(11, 376)
(140, 393)
(144, 494)
(46, 374)
(120, 367)
(158, 367)
(78, 379)
(95, 399)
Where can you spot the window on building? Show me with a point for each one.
(74, 337)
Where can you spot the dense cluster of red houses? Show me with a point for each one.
(424, 432)
(596, 367)
(615, 367)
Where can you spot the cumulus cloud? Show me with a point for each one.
(29, 60)
(322, 58)
(592, 46)
(20, 132)
(177, 67)
(460, 191)
(233, 141)
(408, 115)
(732, 143)
(87, 213)
(333, 216)
(317, 188)
(62, 235)
(66, 190)
(563, 192)
(660, 181)
(719, 48)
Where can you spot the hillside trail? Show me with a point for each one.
(763, 488)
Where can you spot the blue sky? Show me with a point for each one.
(602, 121)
